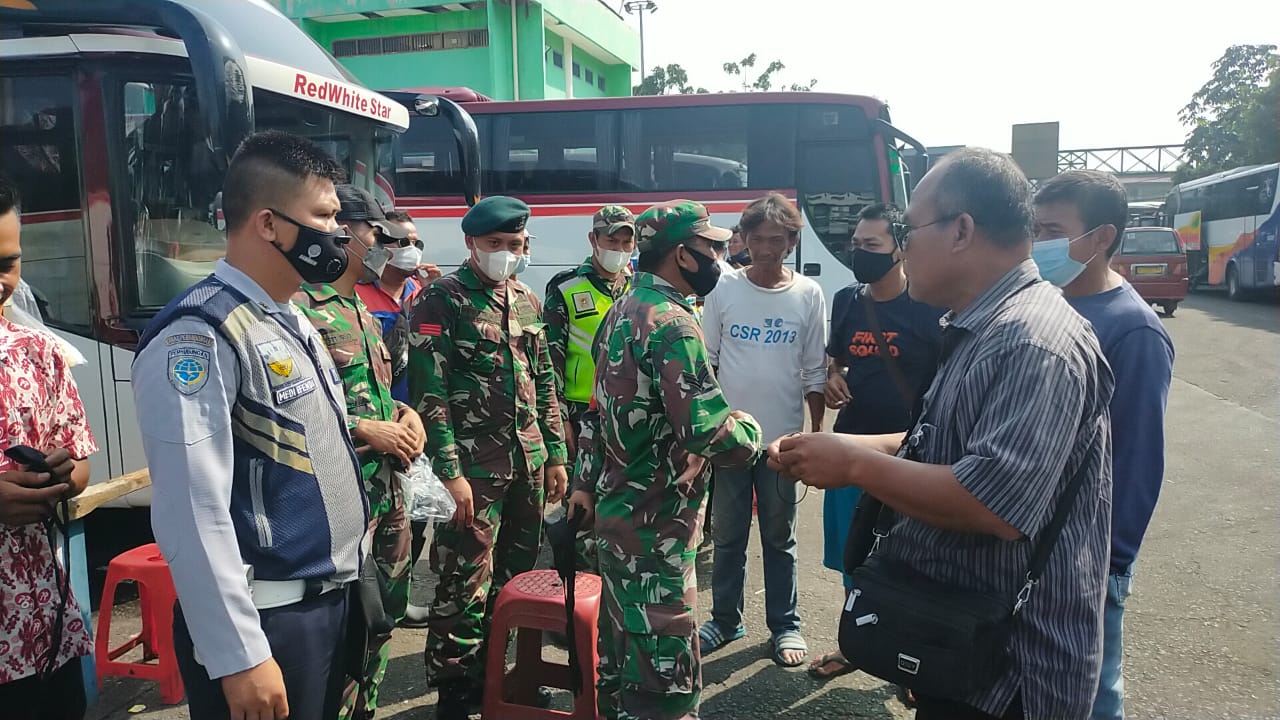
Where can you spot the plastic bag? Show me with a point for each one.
(23, 310)
(425, 497)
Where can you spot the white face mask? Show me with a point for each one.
(522, 264)
(375, 259)
(612, 261)
(406, 258)
(497, 266)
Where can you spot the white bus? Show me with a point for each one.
(117, 119)
(832, 154)
(1228, 223)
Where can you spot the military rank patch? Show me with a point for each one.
(430, 330)
(583, 302)
(188, 368)
(287, 383)
(276, 356)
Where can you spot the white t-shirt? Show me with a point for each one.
(769, 347)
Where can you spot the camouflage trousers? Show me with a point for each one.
(390, 552)
(650, 664)
(584, 544)
(473, 564)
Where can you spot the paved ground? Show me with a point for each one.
(1202, 622)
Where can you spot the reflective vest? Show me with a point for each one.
(586, 306)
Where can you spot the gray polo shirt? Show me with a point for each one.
(1019, 405)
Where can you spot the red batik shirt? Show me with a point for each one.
(39, 407)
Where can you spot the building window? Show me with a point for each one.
(417, 42)
(591, 77)
(557, 58)
(577, 70)
(600, 82)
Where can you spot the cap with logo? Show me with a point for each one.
(674, 222)
(360, 204)
(496, 213)
(612, 218)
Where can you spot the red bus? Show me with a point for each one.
(831, 153)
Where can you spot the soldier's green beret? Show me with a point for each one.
(674, 222)
(496, 213)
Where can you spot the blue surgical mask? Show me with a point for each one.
(522, 264)
(1053, 257)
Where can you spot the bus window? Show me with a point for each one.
(426, 160)
(686, 149)
(171, 189)
(38, 152)
(837, 179)
(554, 152)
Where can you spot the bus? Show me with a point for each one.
(832, 154)
(117, 121)
(1228, 223)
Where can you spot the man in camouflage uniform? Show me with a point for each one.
(480, 374)
(574, 305)
(659, 418)
(387, 434)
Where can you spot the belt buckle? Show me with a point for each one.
(313, 587)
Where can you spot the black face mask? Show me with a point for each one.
(319, 256)
(868, 267)
(743, 258)
(704, 279)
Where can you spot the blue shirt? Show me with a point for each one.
(1141, 357)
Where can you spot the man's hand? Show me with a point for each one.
(821, 460)
(408, 417)
(554, 480)
(693, 467)
(836, 392)
(257, 693)
(583, 502)
(460, 489)
(391, 438)
(430, 272)
(570, 438)
(23, 498)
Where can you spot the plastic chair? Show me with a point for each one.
(531, 603)
(145, 566)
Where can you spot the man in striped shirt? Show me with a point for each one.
(1019, 406)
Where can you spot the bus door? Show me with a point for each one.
(1262, 195)
(836, 174)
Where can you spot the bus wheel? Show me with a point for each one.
(1167, 308)
(1234, 291)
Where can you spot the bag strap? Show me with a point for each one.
(873, 321)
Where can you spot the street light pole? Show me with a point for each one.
(641, 7)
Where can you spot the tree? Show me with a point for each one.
(1235, 117)
(674, 79)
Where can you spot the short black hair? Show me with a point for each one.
(1097, 196)
(650, 260)
(9, 198)
(991, 188)
(399, 216)
(268, 168)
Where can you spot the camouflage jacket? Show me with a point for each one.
(354, 339)
(657, 401)
(555, 313)
(480, 373)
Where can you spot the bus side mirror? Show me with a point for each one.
(812, 269)
(427, 105)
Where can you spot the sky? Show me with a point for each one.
(1114, 73)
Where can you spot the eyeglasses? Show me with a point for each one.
(902, 231)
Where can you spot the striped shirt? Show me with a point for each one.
(1017, 408)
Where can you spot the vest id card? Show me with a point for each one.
(286, 379)
(583, 302)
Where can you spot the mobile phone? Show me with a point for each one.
(32, 458)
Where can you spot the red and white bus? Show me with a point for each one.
(831, 153)
(117, 120)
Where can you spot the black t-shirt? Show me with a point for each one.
(913, 335)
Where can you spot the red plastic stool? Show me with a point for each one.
(146, 567)
(531, 603)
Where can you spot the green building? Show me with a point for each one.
(505, 49)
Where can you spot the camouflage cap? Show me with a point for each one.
(612, 218)
(674, 222)
(496, 213)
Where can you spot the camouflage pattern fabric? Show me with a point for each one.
(354, 340)
(481, 375)
(658, 403)
(555, 313)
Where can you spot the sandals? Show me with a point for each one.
(712, 637)
(833, 658)
(789, 640)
